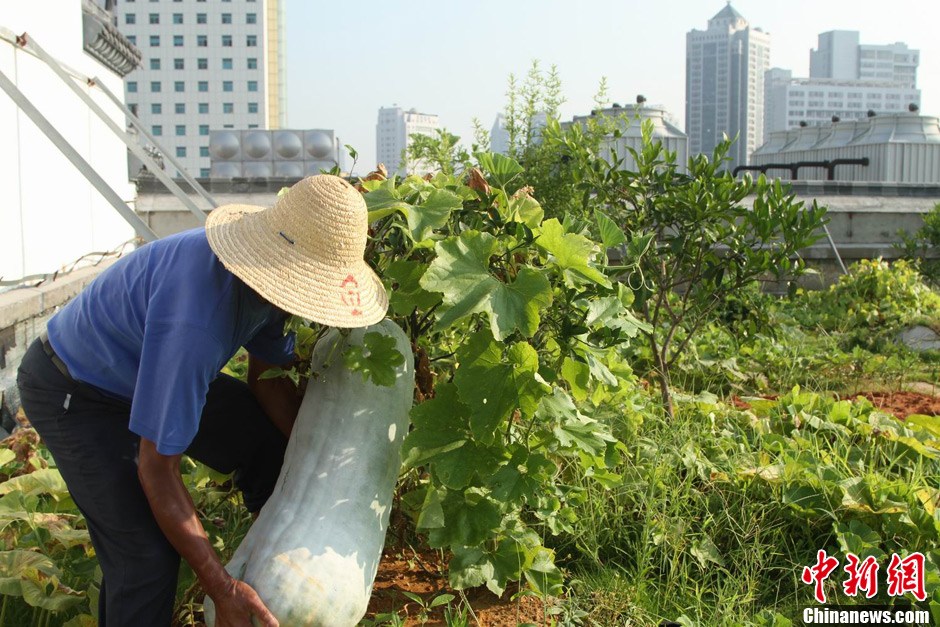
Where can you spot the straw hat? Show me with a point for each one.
(304, 254)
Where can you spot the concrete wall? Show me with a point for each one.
(23, 316)
(50, 214)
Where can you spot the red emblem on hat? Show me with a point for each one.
(350, 295)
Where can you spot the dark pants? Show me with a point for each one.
(86, 432)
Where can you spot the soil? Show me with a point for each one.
(425, 575)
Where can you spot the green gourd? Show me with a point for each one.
(314, 550)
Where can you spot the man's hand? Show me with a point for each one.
(237, 603)
(175, 513)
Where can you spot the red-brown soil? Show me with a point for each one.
(424, 574)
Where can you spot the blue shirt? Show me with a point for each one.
(156, 327)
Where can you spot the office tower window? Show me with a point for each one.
(154, 41)
(131, 87)
(180, 107)
(251, 18)
(130, 18)
(202, 64)
(251, 41)
(203, 172)
(226, 41)
(179, 64)
(155, 86)
(201, 18)
(252, 63)
(181, 151)
(156, 129)
(154, 18)
(180, 130)
(203, 151)
(203, 85)
(226, 18)
(228, 107)
(133, 108)
(203, 129)
(178, 41)
(177, 18)
(203, 107)
(252, 85)
(156, 108)
(132, 39)
(227, 64)
(155, 64)
(202, 41)
(252, 107)
(228, 86)
(179, 86)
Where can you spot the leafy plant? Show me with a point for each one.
(692, 239)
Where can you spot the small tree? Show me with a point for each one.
(691, 240)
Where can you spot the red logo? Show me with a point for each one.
(350, 295)
(818, 573)
(862, 576)
(906, 575)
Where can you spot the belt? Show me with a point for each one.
(55, 359)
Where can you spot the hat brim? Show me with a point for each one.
(347, 296)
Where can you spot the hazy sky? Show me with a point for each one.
(346, 59)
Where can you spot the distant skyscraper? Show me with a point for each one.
(839, 55)
(393, 135)
(724, 90)
(847, 80)
(206, 66)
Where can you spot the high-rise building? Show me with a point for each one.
(840, 56)
(207, 66)
(393, 136)
(847, 80)
(724, 86)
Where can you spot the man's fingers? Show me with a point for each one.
(261, 612)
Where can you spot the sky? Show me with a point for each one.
(453, 59)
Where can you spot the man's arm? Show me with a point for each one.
(278, 397)
(173, 509)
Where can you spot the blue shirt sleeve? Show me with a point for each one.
(177, 363)
(270, 343)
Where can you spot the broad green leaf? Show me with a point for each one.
(525, 209)
(431, 214)
(439, 425)
(522, 478)
(578, 376)
(43, 481)
(384, 200)
(468, 568)
(408, 294)
(82, 620)
(500, 169)
(377, 358)
(466, 523)
(571, 253)
(858, 538)
(493, 384)
(573, 429)
(611, 234)
(432, 514)
(461, 273)
(542, 573)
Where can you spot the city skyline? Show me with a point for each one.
(455, 62)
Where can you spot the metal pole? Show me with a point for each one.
(131, 144)
(834, 249)
(135, 122)
(77, 160)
